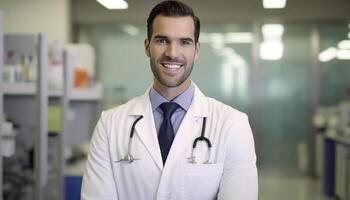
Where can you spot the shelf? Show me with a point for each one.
(93, 93)
(19, 88)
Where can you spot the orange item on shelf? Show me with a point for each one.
(80, 78)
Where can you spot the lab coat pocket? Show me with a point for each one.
(201, 181)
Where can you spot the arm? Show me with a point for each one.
(239, 180)
(98, 182)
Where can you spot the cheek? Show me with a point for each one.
(191, 55)
(155, 52)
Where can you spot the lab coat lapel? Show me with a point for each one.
(183, 138)
(190, 127)
(146, 130)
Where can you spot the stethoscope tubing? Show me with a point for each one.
(129, 158)
(202, 137)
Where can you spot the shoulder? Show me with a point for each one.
(121, 110)
(218, 112)
(221, 110)
(233, 126)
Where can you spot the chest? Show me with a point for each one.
(179, 178)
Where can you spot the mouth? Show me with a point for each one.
(173, 66)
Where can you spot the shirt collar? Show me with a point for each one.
(184, 100)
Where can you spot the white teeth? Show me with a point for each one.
(172, 66)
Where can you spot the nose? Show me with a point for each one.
(171, 50)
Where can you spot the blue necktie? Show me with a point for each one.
(166, 131)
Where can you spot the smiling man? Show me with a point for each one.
(172, 142)
(172, 48)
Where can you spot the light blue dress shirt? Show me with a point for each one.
(184, 101)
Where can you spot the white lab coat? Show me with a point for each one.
(232, 176)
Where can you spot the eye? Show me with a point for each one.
(161, 41)
(186, 42)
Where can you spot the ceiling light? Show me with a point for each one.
(272, 30)
(327, 54)
(344, 44)
(343, 54)
(273, 4)
(114, 4)
(271, 50)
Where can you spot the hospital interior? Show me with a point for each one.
(285, 63)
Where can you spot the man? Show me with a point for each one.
(144, 149)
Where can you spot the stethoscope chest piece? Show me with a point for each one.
(192, 158)
(128, 158)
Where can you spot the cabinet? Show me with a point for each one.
(337, 167)
(34, 44)
(27, 104)
(342, 178)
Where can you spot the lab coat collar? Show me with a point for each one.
(145, 129)
(189, 129)
(199, 104)
(143, 105)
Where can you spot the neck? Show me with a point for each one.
(170, 93)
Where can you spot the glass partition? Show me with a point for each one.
(283, 128)
(334, 73)
(221, 71)
(284, 114)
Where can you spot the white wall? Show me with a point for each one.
(38, 16)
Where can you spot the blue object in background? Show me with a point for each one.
(72, 187)
(329, 168)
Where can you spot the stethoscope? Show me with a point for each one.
(129, 158)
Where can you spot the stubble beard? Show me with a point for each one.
(157, 75)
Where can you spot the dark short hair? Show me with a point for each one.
(172, 8)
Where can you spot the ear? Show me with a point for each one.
(198, 45)
(146, 43)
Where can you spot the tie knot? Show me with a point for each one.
(168, 109)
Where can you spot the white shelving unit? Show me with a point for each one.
(33, 44)
(27, 104)
(41, 143)
(84, 94)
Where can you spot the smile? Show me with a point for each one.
(172, 65)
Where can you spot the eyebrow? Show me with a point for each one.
(160, 37)
(165, 37)
(187, 39)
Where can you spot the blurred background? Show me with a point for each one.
(284, 63)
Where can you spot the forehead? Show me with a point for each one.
(182, 26)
